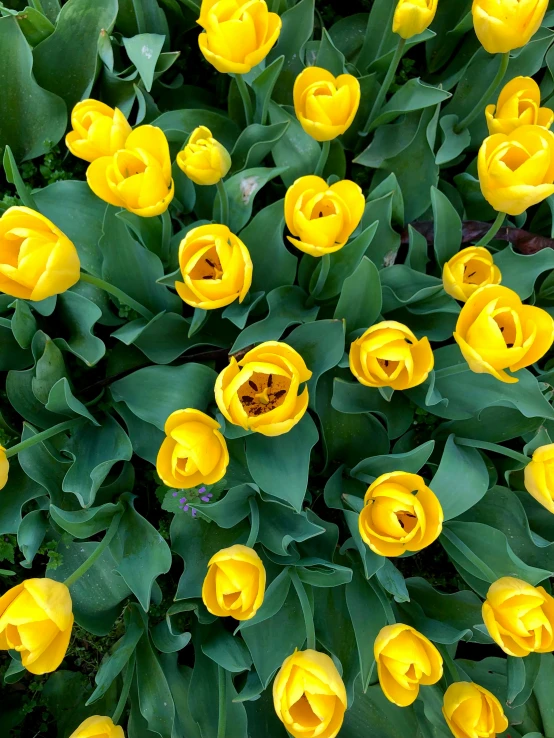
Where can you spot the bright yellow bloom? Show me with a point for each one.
(309, 695)
(503, 25)
(471, 710)
(98, 130)
(322, 217)
(412, 17)
(36, 619)
(539, 476)
(405, 659)
(204, 160)
(519, 104)
(98, 726)
(194, 451)
(260, 392)
(325, 105)
(519, 617)
(389, 355)
(400, 514)
(138, 177)
(495, 331)
(4, 467)
(238, 33)
(235, 583)
(216, 267)
(37, 260)
(468, 270)
(517, 171)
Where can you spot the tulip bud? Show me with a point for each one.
(519, 104)
(98, 130)
(539, 476)
(467, 705)
(412, 17)
(235, 583)
(98, 726)
(468, 270)
(504, 25)
(4, 467)
(204, 160)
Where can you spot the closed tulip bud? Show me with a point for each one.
(238, 34)
(471, 710)
(495, 331)
(98, 726)
(468, 270)
(400, 514)
(519, 617)
(325, 105)
(36, 619)
(138, 177)
(216, 268)
(412, 17)
(539, 476)
(37, 260)
(405, 660)
(194, 451)
(204, 160)
(504, 25)
(389, 355)
(516, 170)
(4, 467)
(519, 104)
(309, 695)
(322, 217)
(235, 583)
(98, 130)
(260, 392)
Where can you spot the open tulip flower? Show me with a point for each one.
(519, 104)
(468, 270)
(98, 130)
(471, 710)
(325, 105)
(503, 25)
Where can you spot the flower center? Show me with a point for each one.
(208, 267)
(388, 366)
(302, 713)
(326, 206)
(263, 392)
(475, 272)
(506, 321)
(407, 520)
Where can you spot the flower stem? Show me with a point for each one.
(222, 713)
(379, 100)
(246, 101)
(322, 161)
(98, 551)
(306, 609)
(48, 433)
(497, 448)
(478, 109)
(123, 697)
(223, 203)
(116, 292)
(254, 522)
(493, 230)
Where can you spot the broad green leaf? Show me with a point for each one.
(24, 325)
(254, 144)
(328, 56)
(30, 535)
(19, 490)
(410, 462)
(373, 708)
(296, 150)
(238, 313)
(520, 272)
(461, 479)
(227, 651)
(453, 143)
(414, 95)
(241, 190)
(417, 252)
(274, 598)
(35, 26)
(78, 315)
(12, 355)
(232, 508)
(360, 301)
(448, 227)
(281, 526)
(165, 640)
(44, 465)
(298, 23)
(144, 50)
(155, 700)
(61, 400)
(85, 523)
(263, 88)
(543, 693)
(522, 675)
(179, 124)
(178, 678)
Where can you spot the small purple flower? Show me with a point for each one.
(175, 494)
(193, 512)
(201, 489)
(185, 508)
(205, 499)
(183, 499)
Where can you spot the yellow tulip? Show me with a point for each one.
(98, 726)
(204, 160)
(260, 392)
(400, 514)
(471, 710)
(36, 619)
(216, 268)
(194, 451)
(495, 331)
(516, 171)
(468, 270)
(519, 617)
(238, 33)
(519, 104)
(138, 177)
(235, 583)
(503, 25)
(539, 476)
(405, 659)
(325, 105)
(98, 130)
(322, 217)
(4, 468)
(389, 355)
(412, 17)
(309, 695)
(37, 260)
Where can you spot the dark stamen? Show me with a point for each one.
(279, 394)
(509, 345)
(472, 274)
(208, 276)
(270, 380)
(253, 385)
(386, 362)
(210, 263)
(247, 400)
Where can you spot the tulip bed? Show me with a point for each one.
(276, 327)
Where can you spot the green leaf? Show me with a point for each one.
(19, 490)
(24, 325)
(461, 480)
(227, 651)
(179, 124)
(263, 88)
(254, 144)
(373, 708)
(360, 301)
(35, 26)
(385, 241)
(522, 675)
(78, 315)
(414, 95)
(30, 535)
(453, 143)
(328, 56)
(155, 700)
(165, 640)
(238, 313)
(520, 272)
(410, 462)
(62, 401)
(297, 28)
(274, 598)
(241, 190)
(85, 523)
(296, 150)
(543, 693)
(49, 367)
(280, 526)
(12, 355)
(144, 50)
(378, 36)
(232, 508)
(448, 227)
(417, 252)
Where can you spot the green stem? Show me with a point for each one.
(254, 522)
(379, 100)
(116, 292)
(98, 551)
(478, 109)
(222, 713)
(486, 446)
(322, 161)
(223, 203)
(39, 437)
(124, 696)
(322, 276)
(306, 609)
(493, 230)
(246, 101)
